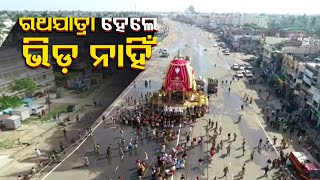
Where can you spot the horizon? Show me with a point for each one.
(197, 12)
(284, 7)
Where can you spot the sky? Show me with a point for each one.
(217, 6)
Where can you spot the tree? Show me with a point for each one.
(191, 9)
(17, 16)
(24, 84)
(317, 32)
(44, 14)
(9, 102)
(58, 93)
(251, 25)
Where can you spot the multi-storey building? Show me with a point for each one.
(271, 60)
(244, 39)
(13, 67)
(242, 19)
(293, 68)
(310, 92)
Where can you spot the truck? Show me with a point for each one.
(212, 85)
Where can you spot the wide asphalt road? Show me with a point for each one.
(225, 108)
(209, 61)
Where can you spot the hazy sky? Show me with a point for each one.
(219, 6)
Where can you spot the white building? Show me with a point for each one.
(242, 19)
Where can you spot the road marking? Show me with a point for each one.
(149, 166)
(178, 139)
(129, 88)
(230, 164)
(116, 168)
(232, 176)
(122, 156)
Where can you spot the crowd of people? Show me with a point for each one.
(163, 125)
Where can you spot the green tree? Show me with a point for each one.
(317, 32)
(58, 93)
(24, 84)
(191, 9)
(313, 23)
(44, 14)
(17, 16)
(9, 102)
(251, 25)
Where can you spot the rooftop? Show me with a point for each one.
(291, 29)
(274, 40)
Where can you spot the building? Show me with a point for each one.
(293, 68)
(13, 67)
(242, 19)
(310, 92)
(271, 61)
(303, 50)
(244, 39)
(271, 40)
(287, 32)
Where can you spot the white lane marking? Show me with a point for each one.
(122, 157)
(178, 138)
(230, 164)
(116, 168)
(84, 140)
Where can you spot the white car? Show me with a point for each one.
(248, 66)
(235, 66)
(226, 53)
(239, 74)
(241, 69)
(215, 45)
(248, 73)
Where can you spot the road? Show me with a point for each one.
(225, 109)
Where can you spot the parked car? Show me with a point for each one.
(248, 73)
(250, 59)
(215, 45)
(241, 69)
(239, 74)
(235, 66)
(226, 53)
(248, 66)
